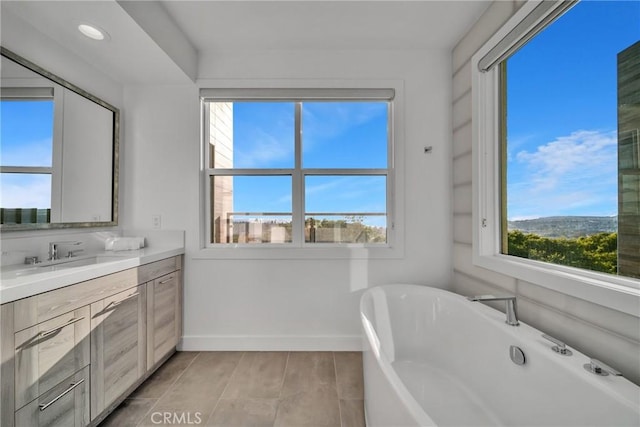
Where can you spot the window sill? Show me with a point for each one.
(287, 252)
(614, 292)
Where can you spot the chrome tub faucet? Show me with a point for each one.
(511, 307)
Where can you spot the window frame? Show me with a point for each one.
(616, 292)
(299, 248)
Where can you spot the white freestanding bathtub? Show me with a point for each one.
(434, 358)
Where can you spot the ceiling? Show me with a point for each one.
(324, 24)
(141, 49)
(130, 56)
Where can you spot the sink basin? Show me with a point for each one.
(71, 263)
(57, 265)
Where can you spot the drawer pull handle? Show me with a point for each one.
(165, 281)
(54, 330)
(44, 406)
(117, 303)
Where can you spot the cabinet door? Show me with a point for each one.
(117, 346)
(65, 405)
(162, 316)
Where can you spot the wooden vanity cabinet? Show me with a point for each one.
(163, 299)
(117, 346)
(69, 356)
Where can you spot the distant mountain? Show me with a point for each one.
(566, 226)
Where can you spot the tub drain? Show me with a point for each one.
(517, 355)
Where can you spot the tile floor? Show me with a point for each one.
(249, 389)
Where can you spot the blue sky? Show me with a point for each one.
(26, 133)
(26, 140)
(335, 135)
(562, 113)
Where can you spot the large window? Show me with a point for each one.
(557, 113)
(303, 167)
(571, 119)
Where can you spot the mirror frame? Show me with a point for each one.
(115, 167)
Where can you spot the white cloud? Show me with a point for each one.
(265, 150)
(571, 175)
(515, 142)
(324, 186)
(333, 118)
(329, 120)
(347, 193)
(27, 153)
(25, 191)
(568, 153)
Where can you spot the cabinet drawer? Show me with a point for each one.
(36, 309)
(47, 353)
(65, 405)
(117, 346)
(151, 271)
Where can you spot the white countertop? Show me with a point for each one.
(47, 278)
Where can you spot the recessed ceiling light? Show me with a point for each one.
(92, 32)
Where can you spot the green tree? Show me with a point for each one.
(597, 252)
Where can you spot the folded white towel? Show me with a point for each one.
(123, 243)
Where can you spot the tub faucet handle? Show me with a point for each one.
(599, 368)
(74, 253)
(30, 260)
(559, 346)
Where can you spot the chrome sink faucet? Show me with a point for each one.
(511, 310)
(54, 246)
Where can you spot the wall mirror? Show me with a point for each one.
(58, 151)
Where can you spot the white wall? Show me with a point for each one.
(290, 304)
(597, 331)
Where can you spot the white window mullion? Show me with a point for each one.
(297, 206)
(207, 174)
(346, 172)
(297, 94)
(43, 170)
(245, 172)
(391, 185)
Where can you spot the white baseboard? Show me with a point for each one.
(270, 343)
